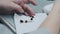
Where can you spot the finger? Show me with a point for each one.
(29, 10)
(19, 2)
(33, 2)
(26, 14)
(17, 7)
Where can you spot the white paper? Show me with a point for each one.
(31, 25)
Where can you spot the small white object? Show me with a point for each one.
(30, 26)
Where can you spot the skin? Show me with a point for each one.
(19, 6)
(52, 22)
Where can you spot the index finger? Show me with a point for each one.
(29, 10)
(33, 2)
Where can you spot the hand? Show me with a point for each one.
(19, 5)
(30, 1)
(28, 10)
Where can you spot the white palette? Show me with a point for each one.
(31, 25)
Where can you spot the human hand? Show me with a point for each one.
(19, 5)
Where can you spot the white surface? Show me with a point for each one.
(30, 26)
(48, 8)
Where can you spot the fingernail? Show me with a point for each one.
(21, 11)
(26, 14)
